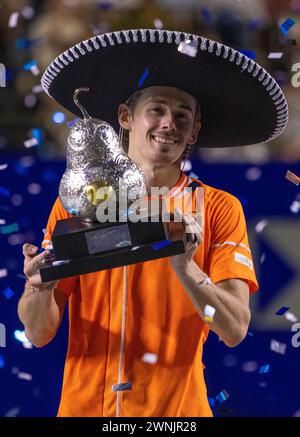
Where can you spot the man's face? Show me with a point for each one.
(162, 125)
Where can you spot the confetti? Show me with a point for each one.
(2, 222)
(143, 77)
(3, 273)
(161, 244)
(253, 173)
(295, 207)
(16, 200)
(30, 100)
(2, 362)
(25, 376)
(58, 117)
(193, 175)
(249, 53)
(264, 368)
(8, 229)
(122, 387)
(8, 293)
(158, 24)
(3, 166)
(72, 122)
(27, 12)
(222, 396)
(31, 142)
(32, 66)
(250, 366)
(186, 166)
(149, 358)
(34, 188)
(292, 177)
(287, 24)
(260, 226)
(209, 313)
(282, 311)
(291, 317)
(13, 19)
(212, 402)
(262, 258)
(278, 347)
(13, 412)
(189, 48)
(37, 89)
(250, 333)
(275, 55)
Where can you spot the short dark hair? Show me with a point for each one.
(131, 102)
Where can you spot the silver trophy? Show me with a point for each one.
(97, 171)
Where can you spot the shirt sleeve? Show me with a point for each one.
(229, 253)
(66, 285)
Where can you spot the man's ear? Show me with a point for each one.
(124, 116)
(194, 136)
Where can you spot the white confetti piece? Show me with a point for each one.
(291, 317)
(35, 70)
(2, 222)
(37, 89)
(13, 19)
(275, 55)
(209, 313)
(31, 142)
(158, 24)
(260, 226)
(3, 273)
(278, 347)
(3, 166)
(186, 166)
(13, 412)
(250, 366)
(253, 173)
(295, 207)
(188, 47)
(25, 376)
(149, 358)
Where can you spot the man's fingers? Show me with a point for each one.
(32, 266)
(29, 251)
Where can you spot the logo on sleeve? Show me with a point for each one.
(240, 258)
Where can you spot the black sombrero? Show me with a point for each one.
(241, 103)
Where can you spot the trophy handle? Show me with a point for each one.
(85, 114)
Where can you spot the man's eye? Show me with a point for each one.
(155, 109)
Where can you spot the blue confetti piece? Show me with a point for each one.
(287, 24)
(58, 117)
(38, 134)
(122, 387)
(5, 192)
(161, 244)
(9, 229)
(282, 311)
(2, 362)
(264, 368)
(28, 66)
(8, 293)
(143, 77)
(222, 396)
(249, 53)
(212, 402)
(250, 333)
(19, 275)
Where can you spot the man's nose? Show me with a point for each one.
(168, 122)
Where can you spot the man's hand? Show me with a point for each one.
(32, 263)
(194, 233)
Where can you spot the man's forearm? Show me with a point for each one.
(39, 314)
(231, 318)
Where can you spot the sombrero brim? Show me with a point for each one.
(241, 103)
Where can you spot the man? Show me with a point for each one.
(137, 332)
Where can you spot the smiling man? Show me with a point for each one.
(136, 333)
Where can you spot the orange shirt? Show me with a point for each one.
(149, 303)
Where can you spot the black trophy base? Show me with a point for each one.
(84, 247)
(53, 270)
